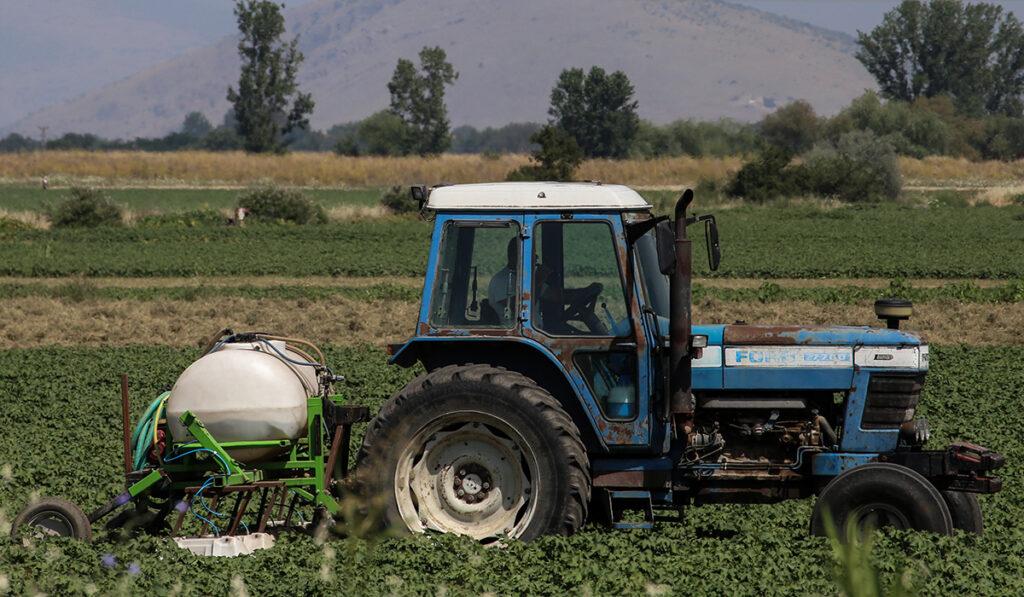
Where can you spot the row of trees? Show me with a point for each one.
(952, 76)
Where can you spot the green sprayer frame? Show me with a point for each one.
(307, 468)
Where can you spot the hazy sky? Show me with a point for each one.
(55, 50)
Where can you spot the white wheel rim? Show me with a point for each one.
(877, 515)
(51, 523)
(467, 473)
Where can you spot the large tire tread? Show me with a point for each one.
(67, 511)
(568, 435)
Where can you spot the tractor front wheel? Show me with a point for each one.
(965, 510)
(881, 494)
(54, 517)
(479, 451)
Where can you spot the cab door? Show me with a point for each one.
(576, 304)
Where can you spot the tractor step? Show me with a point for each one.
(620, 501)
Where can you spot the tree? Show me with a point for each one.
(196, 125)
(794, 127)
(267, 81)
(418, 99)
(385, 133)
(557, 159)
(596, 110)
(972, 52)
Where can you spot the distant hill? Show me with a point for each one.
(701, 59)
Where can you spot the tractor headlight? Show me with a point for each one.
(915, 433)
(895, 357)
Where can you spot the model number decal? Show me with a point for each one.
(789, 356)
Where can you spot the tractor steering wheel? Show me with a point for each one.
(583, 303)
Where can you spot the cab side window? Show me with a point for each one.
(477, 278)
(577, 286)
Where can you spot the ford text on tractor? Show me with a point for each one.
(565, 381)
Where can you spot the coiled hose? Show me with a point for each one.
(145, 437)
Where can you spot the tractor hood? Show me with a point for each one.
(741, 356)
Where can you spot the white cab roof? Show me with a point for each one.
(518, 196)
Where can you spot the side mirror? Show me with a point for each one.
(666, 242)
(419, 194)
(711, 236)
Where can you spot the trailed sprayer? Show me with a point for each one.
(248, 436)
(565, 382)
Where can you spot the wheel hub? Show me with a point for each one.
(469, 478)
(878, 515)
(472, 483)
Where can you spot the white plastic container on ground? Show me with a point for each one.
(226, 546)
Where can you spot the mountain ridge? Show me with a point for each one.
(702, 59)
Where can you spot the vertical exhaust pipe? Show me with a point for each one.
(680, 387)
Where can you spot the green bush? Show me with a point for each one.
(86, 208)
(557, 159)
(398, 199)
(273, 203)
(794, 127)
(8, 224)
(860, 167)
(766, 177)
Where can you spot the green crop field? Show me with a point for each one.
(173, 200)
(59, 435)
(757, 242)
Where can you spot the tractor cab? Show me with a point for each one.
(543, 276)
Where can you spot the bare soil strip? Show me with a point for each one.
(34, 322)
(220, 281)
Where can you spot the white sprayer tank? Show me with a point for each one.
(244, 392)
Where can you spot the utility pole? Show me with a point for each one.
(42, 133)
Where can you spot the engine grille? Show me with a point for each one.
(892, 398)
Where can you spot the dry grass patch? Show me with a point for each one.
(32, 218)
(33, 322)
(959, 172)
(307, 169)
(736, 283)
(221, 281)
(941, 322)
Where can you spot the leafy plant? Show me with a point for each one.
(86, 208)
(272, 203)
(398, 199)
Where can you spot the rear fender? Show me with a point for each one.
(513, 353)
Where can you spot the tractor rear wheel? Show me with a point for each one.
(54, 517)
(881, 494)
(479, 451)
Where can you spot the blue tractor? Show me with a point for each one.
(565, 382)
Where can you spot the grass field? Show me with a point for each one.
(886, 241)
(170, 200)
(77, 308)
